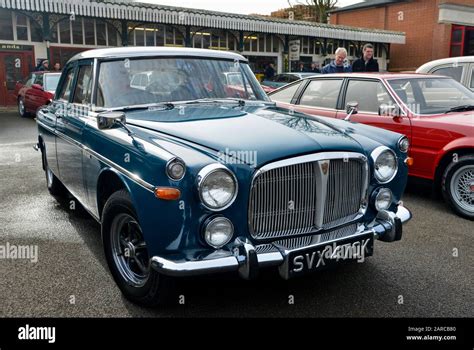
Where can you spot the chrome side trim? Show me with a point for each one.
(48, 128)
(135, 178)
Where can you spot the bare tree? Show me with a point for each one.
(321, 8)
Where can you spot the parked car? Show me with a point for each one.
(189, 181)
(459, 68)
(35, 91)
(280, 80)
(435, 113)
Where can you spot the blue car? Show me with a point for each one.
(190, 174)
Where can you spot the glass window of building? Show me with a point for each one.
(65, 31)
(36, 33)
(89, 31)
(6, 25)
(111, 35)
(21, 27)
(77, 33)
(101, 33)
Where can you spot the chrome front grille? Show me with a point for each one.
(304, 241)
(305, 194)
(343, 198)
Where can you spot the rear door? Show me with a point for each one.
(370, 94)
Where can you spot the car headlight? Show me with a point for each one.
(403, 144)
(385, 164)
(217, 187)
(383, 199)
(218, 231)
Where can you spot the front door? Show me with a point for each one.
(14, 67)
(370, 94)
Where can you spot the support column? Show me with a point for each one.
(46, 35)
(124, 33)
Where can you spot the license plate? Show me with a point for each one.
(311, 259)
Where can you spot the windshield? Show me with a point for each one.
(141, 81)
(51, 81)
(432, 95)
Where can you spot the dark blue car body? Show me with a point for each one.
(92, 163)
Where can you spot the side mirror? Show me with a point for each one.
(351, 108)
(389, 110)
(108, 119)
(37, 87)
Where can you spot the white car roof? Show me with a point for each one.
(425, 68)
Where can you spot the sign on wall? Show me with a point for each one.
(294, 48)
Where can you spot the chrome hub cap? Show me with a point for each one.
(129, 250)
(462, 187)
(21, 107)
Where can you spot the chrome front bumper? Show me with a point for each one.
(244, 258)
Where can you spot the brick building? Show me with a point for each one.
(434, 28)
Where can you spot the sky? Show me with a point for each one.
(245, 7)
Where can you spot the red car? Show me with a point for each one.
(436, 114)
(35, 91)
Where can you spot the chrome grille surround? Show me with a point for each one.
(307, 194)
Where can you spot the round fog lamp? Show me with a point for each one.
(176, 169)
(383, 199)
(218, 232)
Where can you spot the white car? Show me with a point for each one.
(458, 68)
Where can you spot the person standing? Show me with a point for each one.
(269, 71)
(301, 68)
(57, 67)
(44, 67)
(366, 63)
(338, 65)
(314, 68)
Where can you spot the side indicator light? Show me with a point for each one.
(167, 193)
(409, 161)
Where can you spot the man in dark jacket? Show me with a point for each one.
(367, 63)
(269, 72)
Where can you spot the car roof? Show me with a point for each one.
(427, 66)
(386, 76)
(137, 51)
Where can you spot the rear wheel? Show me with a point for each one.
(55, 187)
(21, 108)
(458, 186)
(127, 254)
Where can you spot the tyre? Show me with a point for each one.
(55, 187)
(458, 186)
(127, 254)
(21, 108)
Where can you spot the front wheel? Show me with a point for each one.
(458, 186)
(21, 108)
(127, 254)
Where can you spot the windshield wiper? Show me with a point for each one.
(161, 105)
(460, 109)
(239, 101)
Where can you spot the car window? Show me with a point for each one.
(51, 81)
(322, 93)
(432, 95)
(368, 94)
(38, 79)
(83, 90)
(29, 80)
(282, 78)
(454, 72)
(285, 94)
(293, 78)
(65, 91)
